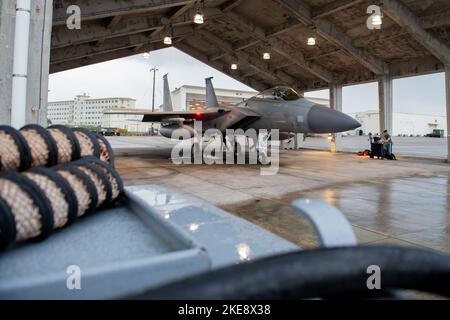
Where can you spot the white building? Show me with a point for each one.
(130, 122)
(403, 123)
(84, 111)
(193, 97)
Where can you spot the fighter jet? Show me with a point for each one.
(279, 108)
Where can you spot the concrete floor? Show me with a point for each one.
(406, 202)
(406, 146)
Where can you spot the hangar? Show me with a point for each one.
(235, 38)
(304, 44)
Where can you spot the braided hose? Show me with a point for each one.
(36, 202)
(33, 146)
(51, 177)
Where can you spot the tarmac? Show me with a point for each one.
(435, 148)
(404, 202)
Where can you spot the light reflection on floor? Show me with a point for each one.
(410, 211)
(405, 202)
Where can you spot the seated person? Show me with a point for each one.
(386, 141)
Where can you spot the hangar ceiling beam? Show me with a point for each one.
(440, 19)
(283, 28)
(219, 66)
(332, 33)
(67, 65)
(98, 9)
(113, 22)
(334, 7)
(173, 16)
(297, 58)
(401, 14)
(250, 74)
(115, 44)
(252, 62)
(281, 48)
(231, 5)
(63, 37)
(362, 37)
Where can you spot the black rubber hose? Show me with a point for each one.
(325, 273)
(49, 141)
(72, 138)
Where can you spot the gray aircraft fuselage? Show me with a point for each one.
(296, 116)
(278, 108)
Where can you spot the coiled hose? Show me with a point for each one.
(33, 146)
(51, 177)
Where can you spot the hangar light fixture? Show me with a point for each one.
(267, 51)
(168, 36)
(199, 17)
(168, 40)
(311, 41)
(234, 66)
(146, 55)
(312, 36)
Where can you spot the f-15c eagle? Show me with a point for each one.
(279, 108)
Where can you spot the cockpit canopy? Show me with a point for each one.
(277, 93)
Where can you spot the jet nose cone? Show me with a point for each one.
(325, 120)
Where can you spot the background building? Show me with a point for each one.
(130, 122)
(84, 111)
(403, 123)
(193, 97)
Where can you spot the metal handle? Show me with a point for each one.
(330, 224)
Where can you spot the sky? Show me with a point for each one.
(131, 77)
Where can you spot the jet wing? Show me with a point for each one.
(149, 116)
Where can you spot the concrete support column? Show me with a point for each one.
(7, 22)
(336, 103)
(38, 63)
(447, 96)
(386, 101)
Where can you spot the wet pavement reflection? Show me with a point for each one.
(411, 211)
(405, 202)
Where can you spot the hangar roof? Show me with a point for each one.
(414, 38)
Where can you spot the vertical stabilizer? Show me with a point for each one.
(211, 99)
(167, 100)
